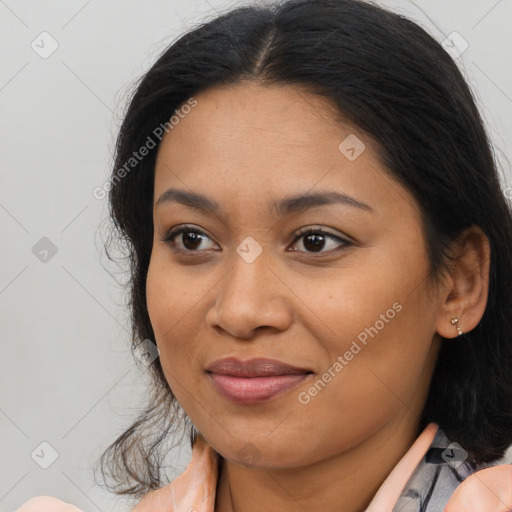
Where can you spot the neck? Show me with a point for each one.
(344, 482)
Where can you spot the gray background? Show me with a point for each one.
(68, 378)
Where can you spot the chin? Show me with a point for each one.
(262, 451)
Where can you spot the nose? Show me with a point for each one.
(251, 297)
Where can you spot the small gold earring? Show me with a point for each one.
(455, 322)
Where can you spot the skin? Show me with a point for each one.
(245, 146)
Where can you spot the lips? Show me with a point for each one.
(258, 367)
(255, 380)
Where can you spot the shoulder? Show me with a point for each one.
(486, 490)
(47, 504)
(444, 481)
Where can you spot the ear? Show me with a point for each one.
(464, 295)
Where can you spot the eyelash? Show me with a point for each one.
(302, 232)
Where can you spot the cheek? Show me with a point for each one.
(376, 329)
(167, 303)
(365, 383)
(170, 301)
(177, 305)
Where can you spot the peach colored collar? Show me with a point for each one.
(194, 490)
(389, 492)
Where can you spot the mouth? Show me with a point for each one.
(256, 380)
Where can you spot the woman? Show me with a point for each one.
(321, 251)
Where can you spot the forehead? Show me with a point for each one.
(246, 112)
(246, 141)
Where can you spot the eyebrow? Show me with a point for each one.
(283, 207)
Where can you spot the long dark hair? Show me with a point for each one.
(387, 76)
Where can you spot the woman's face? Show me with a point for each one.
(350, 309)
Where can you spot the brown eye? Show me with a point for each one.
(315, 240)
(190, 239)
